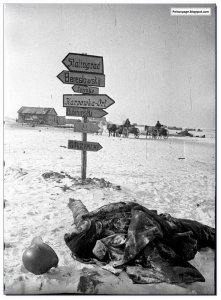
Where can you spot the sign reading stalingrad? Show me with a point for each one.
(85, 112)
(93, 101)
(85, 89)
(82, 78)
(84, 146)
(84, 63)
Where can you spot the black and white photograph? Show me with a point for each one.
(109, 149)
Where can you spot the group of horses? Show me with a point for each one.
(151, 131)
(122, 131)
(156, 133)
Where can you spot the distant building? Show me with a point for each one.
(37, 115)
(61, 120)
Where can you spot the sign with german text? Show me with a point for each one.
(82, 78)
(84, 146)
(84, 63)
(90, 101)
(85, 89)
(85, 112)
(87, 127)
(85, 74)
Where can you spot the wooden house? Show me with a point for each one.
(37, 115)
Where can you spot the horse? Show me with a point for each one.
(134, 130)
(163, 133)
(155, 133)
(125, 131)
(122, 131)
(112, 129)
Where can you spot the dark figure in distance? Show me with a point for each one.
(127, 123)
(158, 125)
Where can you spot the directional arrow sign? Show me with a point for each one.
(85, 89)
(84, 63)
(85, 112)
(90, 101)
(86, 127)
(85, 146)
(82, 78)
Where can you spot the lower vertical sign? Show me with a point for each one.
(84, 146)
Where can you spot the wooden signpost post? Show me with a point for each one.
(83, 154)
(86, 73)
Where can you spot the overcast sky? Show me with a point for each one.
(157, 66)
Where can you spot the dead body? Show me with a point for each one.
(148, 246)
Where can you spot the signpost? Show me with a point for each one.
(84, 63)
(84, 146)
(90, 101)
(85, 89)
(85, 112)
(86, 127)
(86, 73)
(82, 78)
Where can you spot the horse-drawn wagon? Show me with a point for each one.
(123, 131)
(154, 133)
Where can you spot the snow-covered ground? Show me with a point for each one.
(176, 176)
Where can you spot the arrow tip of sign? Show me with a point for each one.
(65, 57)
(104, 113)
(59, 75)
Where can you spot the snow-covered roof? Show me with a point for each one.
(37, 110)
